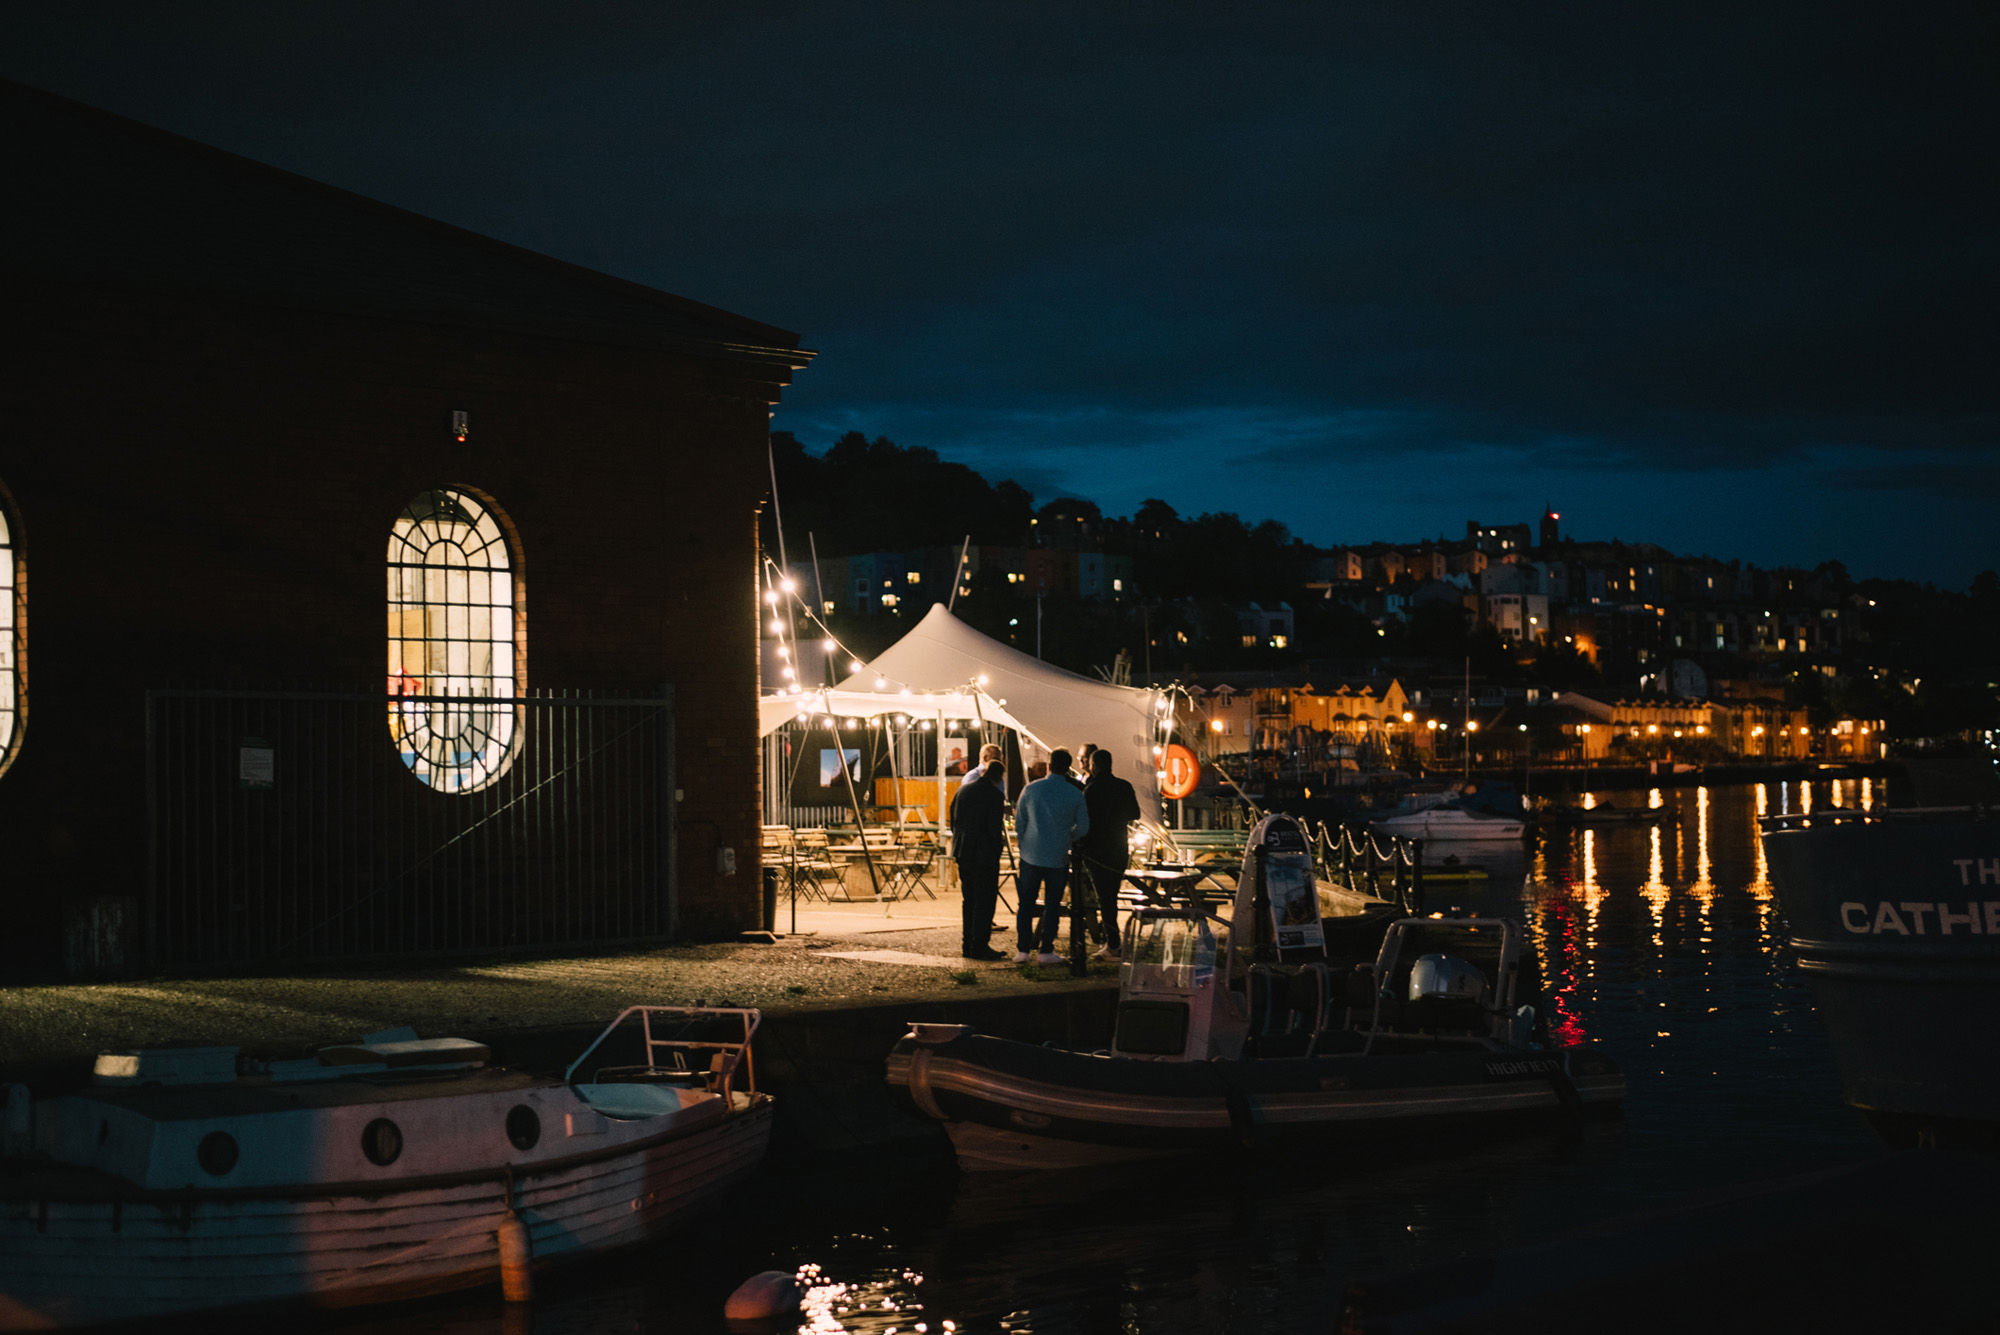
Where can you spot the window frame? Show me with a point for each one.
(14, 659)
(448, 611)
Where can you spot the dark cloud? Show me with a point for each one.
(1560, 246)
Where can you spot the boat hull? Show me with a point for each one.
(1452, 826)
(1896, 928)
(77, 1249)
(1009, 1104)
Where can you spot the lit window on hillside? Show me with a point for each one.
(914, 577)
(452, 660)
(10, 644)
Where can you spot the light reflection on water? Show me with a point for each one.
(1660, 941)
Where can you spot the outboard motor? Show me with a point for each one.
(1446, 978)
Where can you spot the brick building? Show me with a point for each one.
(235, 407)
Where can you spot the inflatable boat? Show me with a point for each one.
(1244, 1029)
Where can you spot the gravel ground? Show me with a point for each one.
(44, 1029)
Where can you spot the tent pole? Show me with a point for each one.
(777, 510)
(860, 826)
(820, 589)
(956, 576)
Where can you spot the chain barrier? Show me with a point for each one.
(1360, 861)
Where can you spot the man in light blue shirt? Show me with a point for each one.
(1049, 816)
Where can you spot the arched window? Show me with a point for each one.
(13, 635)
(453, 662)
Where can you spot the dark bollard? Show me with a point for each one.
(770, 919)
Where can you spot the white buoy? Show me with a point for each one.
(517, 1257)
(760, 1297)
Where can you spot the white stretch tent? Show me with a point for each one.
(1054, 707)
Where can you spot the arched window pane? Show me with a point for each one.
(10, 645)
(451, 634)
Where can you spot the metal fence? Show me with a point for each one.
(289, 826)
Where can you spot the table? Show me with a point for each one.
(1163, 885)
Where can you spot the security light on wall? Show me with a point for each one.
(459, 425)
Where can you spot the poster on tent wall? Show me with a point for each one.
(957, 755)
(830, 767)
(823, 763)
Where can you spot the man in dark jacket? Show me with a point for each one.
(977, 838)
(1113, 806)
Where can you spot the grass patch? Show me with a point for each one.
(796, 989)
(965, 977)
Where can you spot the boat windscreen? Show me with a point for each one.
(1171, 952)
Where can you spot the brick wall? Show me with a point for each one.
(206, 494)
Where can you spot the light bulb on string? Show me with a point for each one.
(777, 626)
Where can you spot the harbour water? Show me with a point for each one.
(1661, 941)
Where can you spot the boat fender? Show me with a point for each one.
(763, 1297)
(920, 1085)
(1242, 1120)
(517, 1260)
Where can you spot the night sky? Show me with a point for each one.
(1721, 277)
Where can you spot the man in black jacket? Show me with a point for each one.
(1113, 806)
(977, 838)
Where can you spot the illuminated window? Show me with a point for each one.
(915, 577)
(1277, 641)
(452, 645)
(1118, 586)
(13, 680)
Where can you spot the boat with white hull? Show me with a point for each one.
(384, 1170)
(1451, 822)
